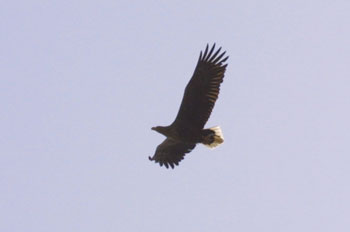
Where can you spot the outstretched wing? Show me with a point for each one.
(171, 152)
(202, 90)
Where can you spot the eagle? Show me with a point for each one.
(198, 101)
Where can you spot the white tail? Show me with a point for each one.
(217, 136)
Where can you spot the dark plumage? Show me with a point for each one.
(197, 104)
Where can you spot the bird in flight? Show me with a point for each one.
(197, 104)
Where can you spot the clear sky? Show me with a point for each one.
(82, 83)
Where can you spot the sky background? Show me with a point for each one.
(82, 83)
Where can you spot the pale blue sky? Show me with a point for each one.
(82, 83)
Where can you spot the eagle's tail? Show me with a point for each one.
(212, 137)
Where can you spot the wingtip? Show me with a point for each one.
(210, 52)
(166, 164)
(225, 59)
(205, 52)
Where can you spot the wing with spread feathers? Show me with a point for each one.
(170, 152)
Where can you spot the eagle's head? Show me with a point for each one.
(164, 130)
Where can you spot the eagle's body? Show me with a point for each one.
(197, 104)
